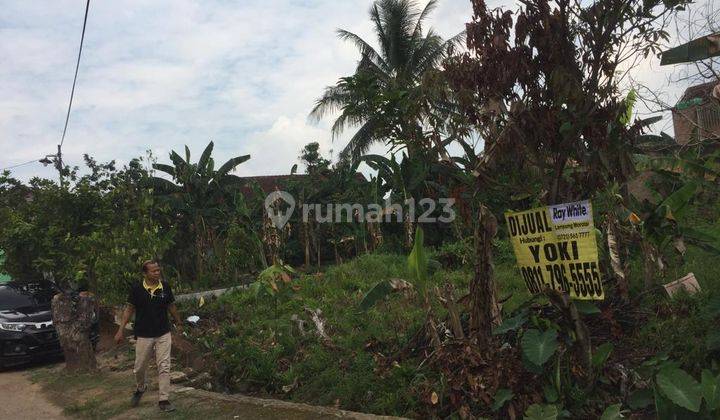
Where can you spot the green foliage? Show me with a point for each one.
(260, 348)
(676, 392)
(378, 292)
(629, 103)
(455, 254)
(205, 203)
(272, 279)
(541, 412)
(601, 354)
(502, 396)
(511, 323)
(538, 346)
(418, 261)
(680, 388)
(687, 330)
(91, 233)
(585, 307)
(612, 412)
(710, 386)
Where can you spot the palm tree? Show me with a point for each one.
(390, 96)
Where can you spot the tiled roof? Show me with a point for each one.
(268, 183)
(703, 91)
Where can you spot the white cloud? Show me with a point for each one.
(158, 75)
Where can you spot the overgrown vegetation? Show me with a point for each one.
(431, 319)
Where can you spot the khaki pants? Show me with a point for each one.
(144, 347)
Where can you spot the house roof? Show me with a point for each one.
(268, 183)
(702, 91)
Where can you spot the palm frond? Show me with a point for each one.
(398, 19)
(230, 165)
(367, 65)
(426, 54)
(163, 186)
(170, 170)
(379, 29)
(332, 100)
(365, 48)
(178, 161)
(437, 52)
(202, 163)
(344, 120)
(360, 142)
(417, 32)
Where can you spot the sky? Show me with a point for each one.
(158, 75)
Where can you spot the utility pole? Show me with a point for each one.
(55, 160)
(59, 164)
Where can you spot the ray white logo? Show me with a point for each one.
(280, 206)
(272, 207)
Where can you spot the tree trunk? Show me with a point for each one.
(73, 321)
(484, 307)
(409, 231)
(306, 231)
(338, 260)
(375, 235)
(650, 262)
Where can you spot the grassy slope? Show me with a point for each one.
(261, 350)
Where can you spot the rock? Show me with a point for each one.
(189, 372)
(177, 377)
(201, 379)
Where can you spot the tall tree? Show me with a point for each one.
(544, 83)
(391, 95)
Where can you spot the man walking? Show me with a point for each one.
(151, 300)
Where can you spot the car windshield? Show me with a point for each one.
(18, 295)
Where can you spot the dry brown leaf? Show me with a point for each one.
(634, 218)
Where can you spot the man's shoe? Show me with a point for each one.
(166, 406)
(136, 396)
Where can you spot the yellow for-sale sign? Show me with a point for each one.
(555, 247)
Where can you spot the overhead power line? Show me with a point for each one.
(18, 165)
(77, 66)
(58, 156)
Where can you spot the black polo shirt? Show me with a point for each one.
(151, 312)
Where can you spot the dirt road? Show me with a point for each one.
(21, 399)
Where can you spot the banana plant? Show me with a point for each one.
(662, 225)
(197, 183)
(405, 180)
(200, 196)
